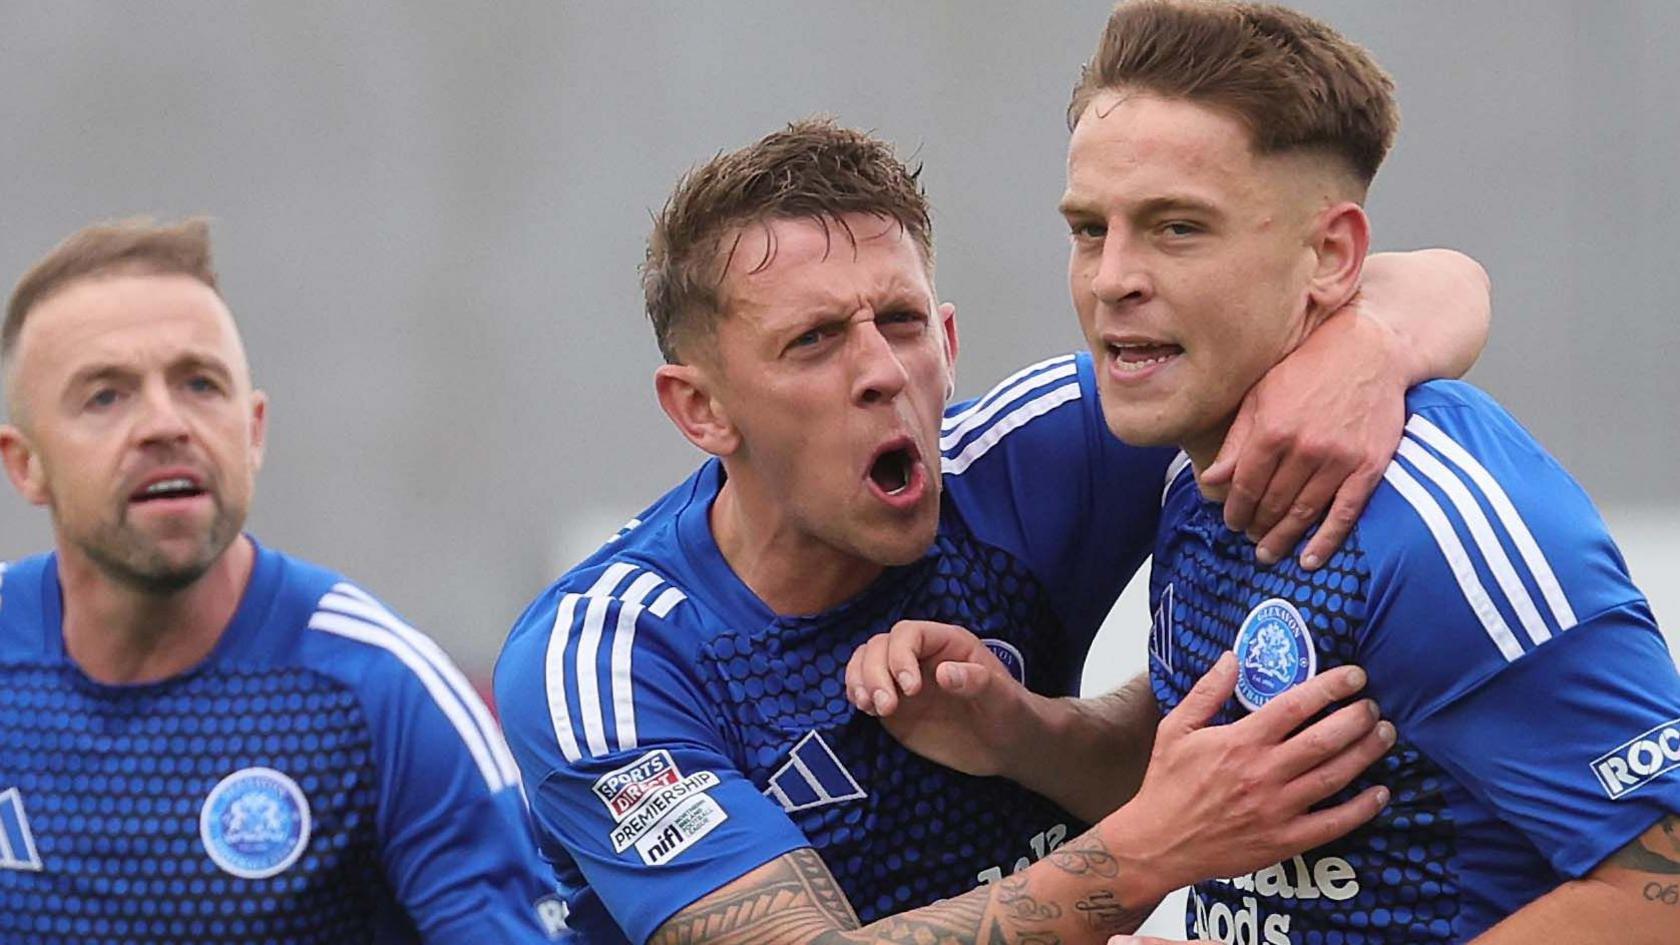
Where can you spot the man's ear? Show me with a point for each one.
(948, 328)
(685, 393)
(23, 465)
(1340, 242)
(259, 428)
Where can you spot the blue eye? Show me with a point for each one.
(1088, 231)
(1180, 228)
(104, 397)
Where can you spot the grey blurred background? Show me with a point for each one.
(429, 216)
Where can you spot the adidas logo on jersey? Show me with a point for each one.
(812, 777)
(1639, 761)
(17, 842)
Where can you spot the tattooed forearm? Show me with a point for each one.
(1014, 898)
(1655, 851)
(1069, 899)
(1107, 915)
(1085, 856)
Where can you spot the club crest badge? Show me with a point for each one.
(254, 823)
(1274, 653)
(1009, 656)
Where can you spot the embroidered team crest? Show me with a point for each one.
(254, 823)
(1010, 657)
(1274, 652)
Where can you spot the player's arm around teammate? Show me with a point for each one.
(1216, 801)
(1316, 431)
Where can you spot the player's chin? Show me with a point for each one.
(1138, 424)
(902, 542)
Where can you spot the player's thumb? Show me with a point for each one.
(968, 680)
(1202, 703)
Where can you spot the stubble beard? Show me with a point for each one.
(128, 556)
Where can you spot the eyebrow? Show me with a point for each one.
(190, 362)
(1074, 206)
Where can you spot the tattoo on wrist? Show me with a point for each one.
(1087, 856)
(1105, 913)
(1015, 901)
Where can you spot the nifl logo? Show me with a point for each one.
(254, 823)
(1639, 761)
(1010, 657)
(1274, 653)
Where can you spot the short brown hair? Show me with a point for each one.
(812, 169)
(136, 244)
(1296, 83)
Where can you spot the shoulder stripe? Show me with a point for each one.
(1457, 559)
(1000, 389)
(582, 672)
(375, 635)
(667, 599)
(973, 419)
(1562, 613)
(1175, 469)
(588, 683)
(349, 599)
(1015, 419)
(1482, 532)
(554, 675)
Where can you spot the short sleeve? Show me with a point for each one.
(455, 838)
(1507, 641)
(1034, 469)
(632, 777)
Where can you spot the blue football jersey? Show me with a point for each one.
(326, 775)
(1537, 706)
(675, 733)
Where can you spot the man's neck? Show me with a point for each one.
(792, 573)
(122, 635)
(1203, 450)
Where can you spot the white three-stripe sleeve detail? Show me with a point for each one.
(1492, 551)
(554, 674)
(588, 677)
(623, 649)
(667, 599)
(1000, 390)
(975, 419)
(610, 579)
(375, 635)
(1019, 417)
(1457, 560)
(1538, 566)
(349, 599)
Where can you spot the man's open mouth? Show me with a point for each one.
(173, 487)
(1136, 356)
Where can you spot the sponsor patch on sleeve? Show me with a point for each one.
(656, 809)
(1640, 760)
(677, 831)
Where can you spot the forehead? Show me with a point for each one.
(798, 264)
(1136, 144)
(126, 318)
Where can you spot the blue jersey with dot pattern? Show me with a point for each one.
(1501, 634)
(675, 733)
(324, 776)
